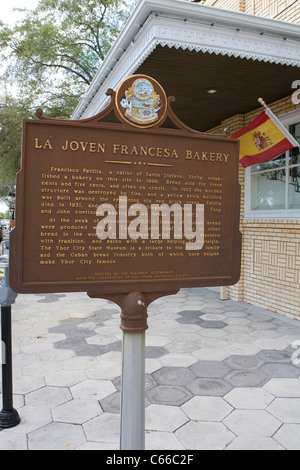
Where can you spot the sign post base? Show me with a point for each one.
(9, 419)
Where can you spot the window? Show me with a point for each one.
(272, 189)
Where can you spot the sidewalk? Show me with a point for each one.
(219, 374)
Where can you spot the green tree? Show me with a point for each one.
(51, 56)
(55, 51)
(12, 112)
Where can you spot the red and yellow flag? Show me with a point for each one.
(263, 139)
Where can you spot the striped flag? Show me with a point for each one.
(263, 139)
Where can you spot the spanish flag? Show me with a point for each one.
(263, 139)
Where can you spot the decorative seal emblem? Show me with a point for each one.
(262, 141)
(141, 101)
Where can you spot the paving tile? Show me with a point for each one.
(247, 378)
(286, 409)
(152, 365)
(56, 355)
(162, 441)
(95, 389)
(79, 363)
(48, 397)
(211, 369)
(57, 436)
(239, 321)
(212, 309)
(65, 378)
(111, 403)
(189, 315)
(206, 408)
(98, 446)
(155, 340)
(162, 327)
(206, 354)
(174, 376)
(280, 356)
(239, 338)
(22, 360)
(81, 347)
(252, 423)
(213, 333)
(265, 334)
(211, 324)
(242, 349)
(236, 312)
(164, 418)
(243, 362)
(180, 359)
(27, 383)
(76, 411)
(168, 394)
(288, 436)
(184, 336)
(270, 343)
(204, 436)
(32, 417)
(249, 398)
(283, 388)
(187, 328)
(9, 441)
(280, 370)
(263, 325)
(182, 347)
(153, 352)
(209, 387)
(213, 343)
(101, 339)
(104, 428)
(104, 370)
(238, 329)
(254, 443)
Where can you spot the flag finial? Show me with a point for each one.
(263, 103)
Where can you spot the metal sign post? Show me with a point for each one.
(9, 417)
(134, 325)
(132, 430)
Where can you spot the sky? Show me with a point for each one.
(6, 10)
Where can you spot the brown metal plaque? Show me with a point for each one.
(89, 191)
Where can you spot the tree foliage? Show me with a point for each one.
(51, 56)
(12, 112)
(62, 43)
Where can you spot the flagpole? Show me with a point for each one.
(277, 123)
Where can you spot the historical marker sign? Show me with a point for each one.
(112, 207)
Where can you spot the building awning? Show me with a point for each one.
(216, 62)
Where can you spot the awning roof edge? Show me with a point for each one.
(185, 25)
